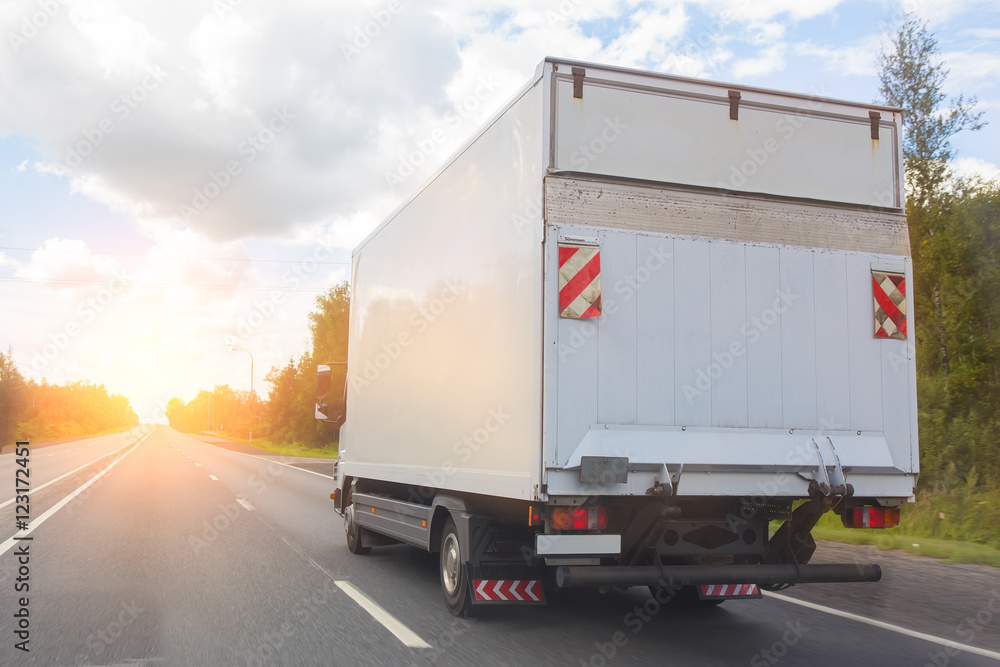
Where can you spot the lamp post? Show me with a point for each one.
(237, 348)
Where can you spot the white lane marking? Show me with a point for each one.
(245, 504)
(39, 488)
(390, 622)
(888, 626)
(264, 458)
(213, 477)
(5, 547)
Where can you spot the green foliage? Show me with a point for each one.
(955, 239)
(912, 78)
(286, 418)
(40, 412)
(13, 394)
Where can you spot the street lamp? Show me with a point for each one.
(237, 348)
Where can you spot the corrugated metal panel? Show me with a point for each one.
(764, 404)
(729, 314)
(616, 356)
(692, 339)
(654, 296)
(833, 374)
(573, 201)
(798, 339)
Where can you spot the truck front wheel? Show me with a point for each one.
(354, 533)
(454, 572)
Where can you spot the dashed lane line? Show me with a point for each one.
(388, 621)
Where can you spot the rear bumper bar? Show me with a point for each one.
(571, 576)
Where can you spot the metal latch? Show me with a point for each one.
(830, 483)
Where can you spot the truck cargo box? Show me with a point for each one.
(736, 321)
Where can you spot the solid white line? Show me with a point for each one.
(35, 523)
(39, 488)
(264, 458)
(888, 626)
(390, 622)
(213, 477)
(245, 504)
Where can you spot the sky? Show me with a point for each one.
(179, 177)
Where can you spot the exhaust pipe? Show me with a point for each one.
(573, 576)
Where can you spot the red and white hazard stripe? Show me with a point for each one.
(508, 590)
(716, 591)
(579, 281)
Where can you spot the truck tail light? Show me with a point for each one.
(873, 517)
(579, 518)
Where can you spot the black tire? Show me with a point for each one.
(355, 533)
(687, 597)
(454, 572)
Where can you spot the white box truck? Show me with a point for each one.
(635, 322)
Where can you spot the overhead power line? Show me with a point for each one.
(214, 259)
(235, 288)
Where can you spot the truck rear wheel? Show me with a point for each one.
(454, 572)
(355, 533)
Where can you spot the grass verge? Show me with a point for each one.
(886, 540)
(288, 449)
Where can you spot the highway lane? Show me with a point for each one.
(187, 554)
(51, 461)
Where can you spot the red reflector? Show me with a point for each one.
(874, 517)
(534, 516)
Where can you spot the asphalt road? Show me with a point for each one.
(185, 553)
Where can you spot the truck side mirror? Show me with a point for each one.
(331, 404)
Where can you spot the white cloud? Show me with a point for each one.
(770, 60)
(971, 72)
(973, 167)
(857, 58)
